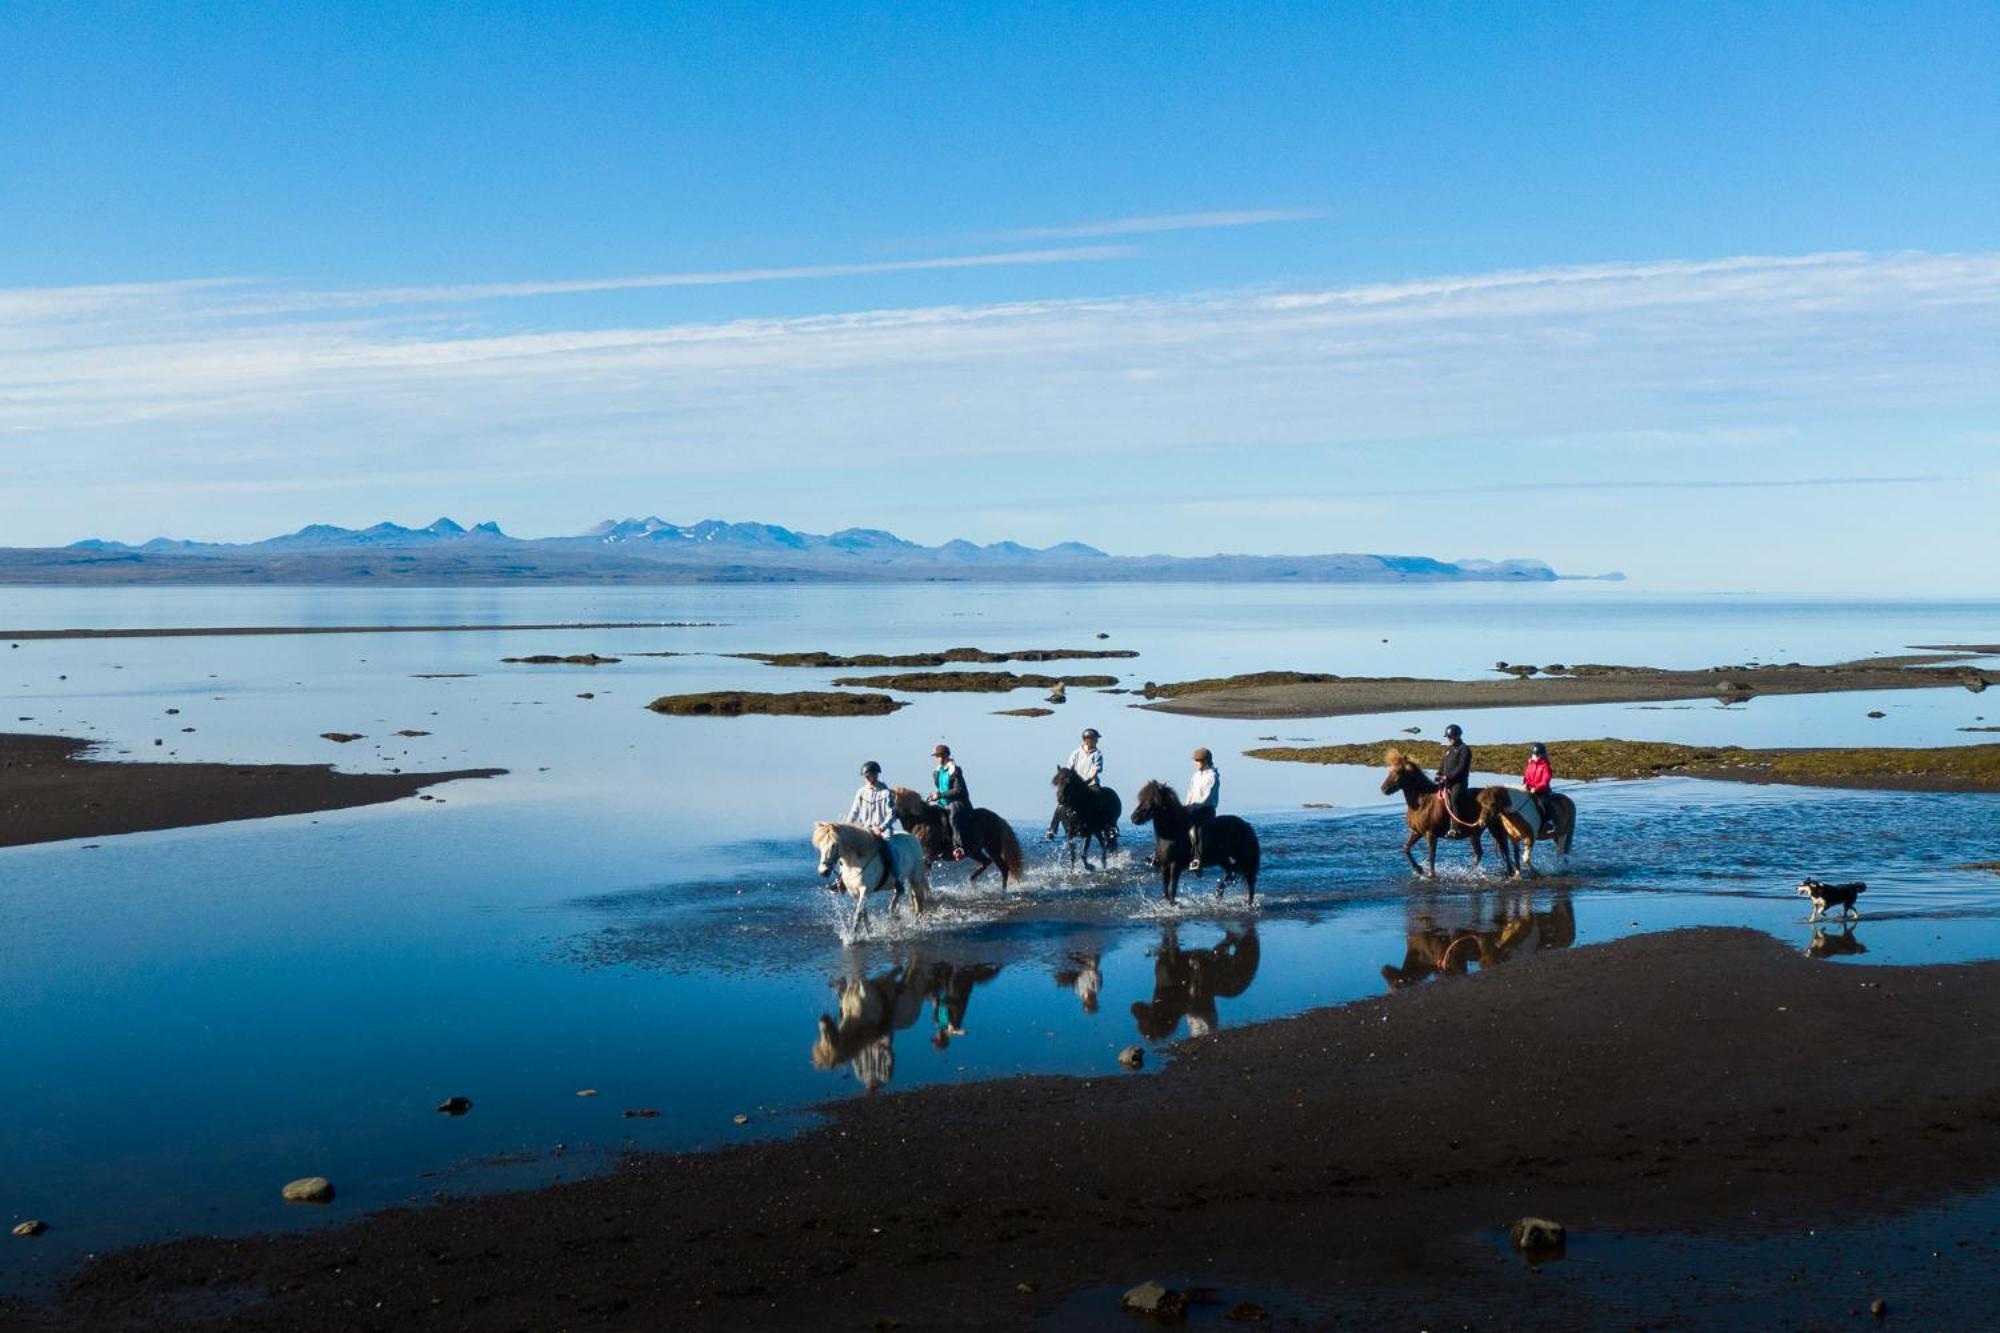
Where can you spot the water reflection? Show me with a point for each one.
(1839, 945)
(874, 1007)
(1451, 936)
(1188, 982)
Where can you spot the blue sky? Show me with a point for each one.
(1709, 293)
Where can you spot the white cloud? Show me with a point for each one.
(1241, 217)
(181, 383)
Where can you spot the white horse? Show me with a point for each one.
(864, 868)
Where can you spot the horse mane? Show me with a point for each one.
(1160, 792)
(1395, 758)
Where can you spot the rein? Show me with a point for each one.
(1444, 799)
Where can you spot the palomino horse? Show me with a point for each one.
(1511, 813)
(1229, 843)
(1428, 816)
(1084, 812)
(868, 863)
(992, 843)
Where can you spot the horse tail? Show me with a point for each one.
(1251, 860)
(1566, 834)
(1009, 848)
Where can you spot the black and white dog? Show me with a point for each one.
(1826, 895)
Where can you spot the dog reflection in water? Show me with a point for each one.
(1188, 982)
(1824, 945)
(874, 1008)
(1432, 948)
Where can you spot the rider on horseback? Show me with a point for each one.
(1454, 772)
(1536, 778)
(874, 806)
(948, 787)
(1086, 760)
(1204, 793)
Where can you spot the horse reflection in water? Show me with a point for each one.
(1433, 948)
(1188, 982)
(874, 1008)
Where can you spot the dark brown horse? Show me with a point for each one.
(1229, 843)
(1188, 982)
(1084, 812)
(1431, 818)
(992, 842)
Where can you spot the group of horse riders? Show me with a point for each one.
(874, 807)
(1455, 772)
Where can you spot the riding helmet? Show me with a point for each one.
(1539, 750)
(1090, 733)
(871, 769)
(1452, 733)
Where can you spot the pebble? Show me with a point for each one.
(1878, 1307)
(1249, 1312)
(1533, 1235)
(454, 1106)
(31, 1227)
(309, 1189)
(1153, 1299)
(586, 1092)
(646, 1114)
(1132, 1057)
(740, 1118)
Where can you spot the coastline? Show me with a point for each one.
(51, 791)
(1270, 696)
(1344, 1163)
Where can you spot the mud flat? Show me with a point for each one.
(1944, 768)
(1356, 1165)
(237, 631)
(1282, 694)
(943, 657)
(799, 703)
(50, 791)
(972, 682)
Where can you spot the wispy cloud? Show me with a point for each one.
(1240, 217)
(239, 382)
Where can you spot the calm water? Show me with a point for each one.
(189, 1019)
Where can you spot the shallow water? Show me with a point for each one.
(188, 1019)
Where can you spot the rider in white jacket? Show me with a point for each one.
(874, 808)
(1086, 760)
(1203, 795)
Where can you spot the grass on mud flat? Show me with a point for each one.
(800, 703)
(972, 682)
(1949, 768)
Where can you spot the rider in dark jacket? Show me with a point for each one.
(1455, 770)
(948, 784)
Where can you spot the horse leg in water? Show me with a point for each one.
(860, 904)
(1432, 837)
(1410, 855)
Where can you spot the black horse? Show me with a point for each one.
(1085, 812)
(1229, 843)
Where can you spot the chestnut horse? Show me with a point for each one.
(1510, 812)
(1431, 818)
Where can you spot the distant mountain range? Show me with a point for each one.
(652, 550)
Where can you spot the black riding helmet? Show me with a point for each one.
(871, 769)
(1539, 750)
(1452, 733)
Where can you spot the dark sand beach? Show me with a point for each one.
(1299, 694)
(1350, 1165)
(51, 790)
